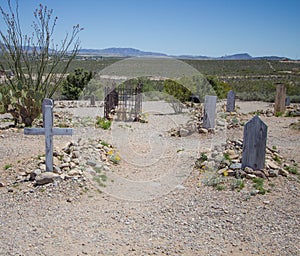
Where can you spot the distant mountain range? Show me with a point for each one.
(131, 52)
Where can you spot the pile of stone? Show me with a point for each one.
(227, 161)
(72, 162)
(235, 120)
(61, 119)
(291, 111)
(76, 104)
(195, 124)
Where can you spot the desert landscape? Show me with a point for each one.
(136, 189)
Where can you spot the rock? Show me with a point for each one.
(91, 162)
(271, 164)
(180, 187)
(56, 161)
(57, 169)
(221, 123)
(46, 177)
(250, 176)
(66, 159)
(34, 174)
(221, 171)
(74, 172)
(248, 170)
(203, 130)
(231, 153)
(2, 184)
(259, 174)
(42, 167)
(273, 173)
(183, 132)
(75, 154)
(64, 165)
(235, 166)
(283, 172)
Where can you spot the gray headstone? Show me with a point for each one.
(230, 106)
(48, 131)
(93, 100)
(254, 144)
(280, 98)
(209, 112)
(287, 101)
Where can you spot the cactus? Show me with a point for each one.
(24, 105)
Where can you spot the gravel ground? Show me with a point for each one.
(153, 202)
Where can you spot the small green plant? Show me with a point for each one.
(277, 159)
(292, 169)
(100, 179)
(237, 184)
(214, 181)
(220, 187)
(7, 166)
(274, 147)
(278, 114)
(258, 184)
(203, 157)
(103, 143)
(227, 157)
(102, 122)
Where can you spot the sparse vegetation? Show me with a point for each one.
(7, 166)
(102, 122)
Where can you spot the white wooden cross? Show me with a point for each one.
(48, 130)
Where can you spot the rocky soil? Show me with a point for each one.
(135, 189)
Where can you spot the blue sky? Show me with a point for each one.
(196, 27)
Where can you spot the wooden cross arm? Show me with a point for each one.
(54, 131)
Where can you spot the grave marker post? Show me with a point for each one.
(48, 130)
(280, 99)
(287, 101)
(93, 100)
(254, 144)
(230, 106)
(210, 103)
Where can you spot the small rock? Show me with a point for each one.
(283, 172)
(75, 154)
(45, 178)
(273, 173)
(180, 187)
(259, 174)
(248, 170)
(57, 169)
(91, 162)
(272, 165)
(183, 132)
(74, 172)
(235, 166)
(250, 176)
(203, 130)
(2, 184)
(221, 123)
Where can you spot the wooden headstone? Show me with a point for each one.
(254, 144)
(287, 101)
(93, 100)
(280, 98)
(230, 106)
(48, 130)
(210, 103)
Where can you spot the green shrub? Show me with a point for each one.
(102, 122)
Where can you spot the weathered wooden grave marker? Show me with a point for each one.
(210, 103)
(230, 106)
(48, 130)
(254, 144)
(280, 99)
(93, 100)
(287, 101)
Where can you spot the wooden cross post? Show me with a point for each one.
(48, 130)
